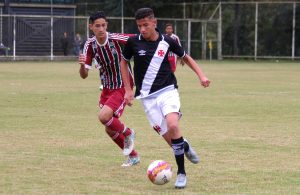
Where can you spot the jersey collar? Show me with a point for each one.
(105, 42)
(160, 36)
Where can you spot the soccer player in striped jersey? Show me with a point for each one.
(105, 49)
(173, 57)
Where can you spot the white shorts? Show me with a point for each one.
(159, 106)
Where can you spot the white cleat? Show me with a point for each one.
(131, 160)
(191, 154)
(128, 143)
(180, 181)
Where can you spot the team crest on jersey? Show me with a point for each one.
(161, 53)
(113, 51)
(111, 44)
(112, 48)
(142, 52)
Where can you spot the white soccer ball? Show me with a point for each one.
(159, 172)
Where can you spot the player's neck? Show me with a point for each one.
(101, 40)
(154, 36)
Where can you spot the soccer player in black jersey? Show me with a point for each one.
(156, 85)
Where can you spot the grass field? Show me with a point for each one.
(246, 127)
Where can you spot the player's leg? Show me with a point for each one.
(109, 116)
(118, 138)
(177, 142)
(157, 121)
(152, 107)
(167, 138)
(189, 152)
(169, 103)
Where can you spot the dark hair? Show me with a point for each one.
(97, 15)
(169, 24)
(144, 13)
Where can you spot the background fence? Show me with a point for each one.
(230, 30)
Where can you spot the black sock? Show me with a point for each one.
(178, 149)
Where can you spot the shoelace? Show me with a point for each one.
(181, 178)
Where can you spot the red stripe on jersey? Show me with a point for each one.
(118, 60)
(119, 51)
(105, 78)
(112, 64)
(88, 52)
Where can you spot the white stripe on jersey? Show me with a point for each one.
(118, 36)
(153, 68)
(176, 38)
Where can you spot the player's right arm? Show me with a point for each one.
(129, 96)
(126, 55)
(82, 70)
(85, 59)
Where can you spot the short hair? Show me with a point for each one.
(97, 15)
(144, 13)
(169, 24)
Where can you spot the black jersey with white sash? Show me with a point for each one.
(152, 70)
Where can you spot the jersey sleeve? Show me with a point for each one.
(178, 40)
(176, 48)
(128, 50)
(119, 37)
(88, 52)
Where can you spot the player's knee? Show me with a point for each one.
(173, 127)
(104, 118)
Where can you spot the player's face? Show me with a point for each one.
(169, 30)
(99, 28)
(147, 27)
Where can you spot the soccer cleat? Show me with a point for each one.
(128, 143)
(191, 154)
(131, 160)
(180, 181)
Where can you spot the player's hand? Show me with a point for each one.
(182, 62)
(129, 97)
(205, 82)
(81, 59)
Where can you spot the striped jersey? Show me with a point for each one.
(107, 58)
(152, 70)
(177, 40)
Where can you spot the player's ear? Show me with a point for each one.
(90, 26)
(154, 22)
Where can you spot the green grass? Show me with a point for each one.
(246, 127)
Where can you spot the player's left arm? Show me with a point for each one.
(178, 50)
(179, 43)
(196, 68)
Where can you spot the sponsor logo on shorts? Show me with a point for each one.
(157, 129)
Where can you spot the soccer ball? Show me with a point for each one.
(159, 172)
